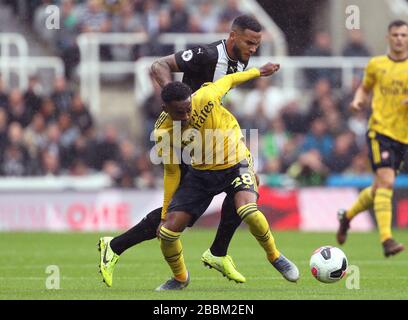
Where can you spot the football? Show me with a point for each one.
(328, 264)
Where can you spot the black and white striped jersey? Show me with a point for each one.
(206, 63)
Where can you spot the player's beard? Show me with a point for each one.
(237, 54)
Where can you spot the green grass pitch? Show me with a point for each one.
(25, 257)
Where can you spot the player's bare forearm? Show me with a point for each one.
(161, 69)
(361, 98)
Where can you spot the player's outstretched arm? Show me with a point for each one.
(161, 69)
(232, 80)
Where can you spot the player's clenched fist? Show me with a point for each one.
(269, 69)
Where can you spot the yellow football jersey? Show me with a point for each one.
(212, 138)
(216, 140)
(388, 80)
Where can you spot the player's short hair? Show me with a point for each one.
(175, 91)
(397, 23)
(245, 21)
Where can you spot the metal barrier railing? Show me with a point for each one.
(91, 67)
(21, 62)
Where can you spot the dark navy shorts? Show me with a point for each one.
(198, 187)
(385, 152)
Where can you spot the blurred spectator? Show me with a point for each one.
(335, 123)
(341, 156)
(273, 143)
(273, 168)
(359, 164)
(113, 7)
(50, 164)
(324, 107)
(208, 17)
(179, 16)
(164, 24)
(318, 139)
(265, 99)
(107, 148)
(85, 150)
(321, 90)
(223, 25)
(80, 115)
(53, 145)
(66, 37)
(145, 178)
(61, 96)
(295, 121)
(3, 128)
(128, 164)
(255, 107)
(95, 19)
(15, 160)
(18, 110)
(150, 17)
(355, 46)
(69, 26)
(69, 133)
(3, 95)
(227, 15)
(79, 168)
(35, 136)
(309, 169)
(321, 47)
(113, 170)
(32, 96)
(194, 24)
(48, 110)
(127, 21)
(231, 11)
(289, 153)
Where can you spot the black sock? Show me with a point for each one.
(229, 222)
(144, 230)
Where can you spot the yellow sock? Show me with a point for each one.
(259, 227)
(383, 212)
(173, 252)
(364, 202)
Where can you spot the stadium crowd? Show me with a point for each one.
(55, 135)
(303, 140)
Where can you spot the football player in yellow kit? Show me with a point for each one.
(386, 77)
(208, 176)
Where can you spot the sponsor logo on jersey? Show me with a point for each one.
(187, 55)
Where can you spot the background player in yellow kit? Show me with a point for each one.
(386, 77)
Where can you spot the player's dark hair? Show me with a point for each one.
(175, 91)
(397, 23)
(246, 22)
